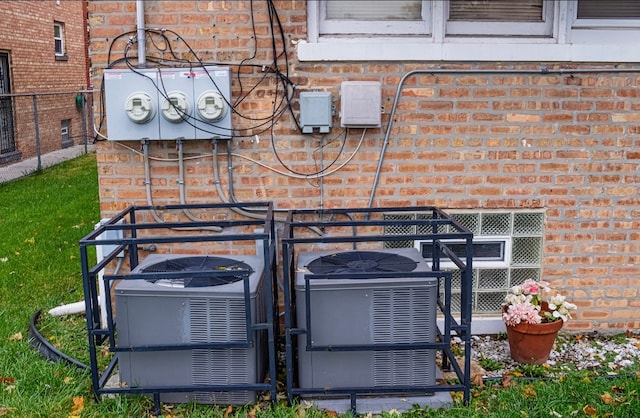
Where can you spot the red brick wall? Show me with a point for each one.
(27, 35)
(566, 143)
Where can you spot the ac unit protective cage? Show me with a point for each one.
(365, 228)
(149, 314)
(345, 311)
(133, 231)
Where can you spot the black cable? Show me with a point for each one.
(252, 56)
(160, 41)
(46, 349)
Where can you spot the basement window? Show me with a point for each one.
(507, 250)
(486, 251)
(65, 132)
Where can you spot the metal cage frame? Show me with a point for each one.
(436, 225)
(127, 224)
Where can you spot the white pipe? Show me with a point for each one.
(142, 48)
(68, 309)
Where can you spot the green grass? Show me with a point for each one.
(42, 218)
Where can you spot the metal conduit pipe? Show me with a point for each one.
(221, 194)
(542, 71)
(225, 199)
(142, 47)
(182, 188)
(147, 180)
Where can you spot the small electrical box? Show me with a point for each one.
(360, 104)
(315, 111)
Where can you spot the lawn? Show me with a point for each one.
(42, 218)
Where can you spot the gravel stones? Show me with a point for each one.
(606, 355)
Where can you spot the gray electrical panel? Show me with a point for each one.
(168, 103)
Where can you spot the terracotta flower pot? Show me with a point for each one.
(532, 343)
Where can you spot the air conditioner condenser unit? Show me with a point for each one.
(192, 310)
(348, 311)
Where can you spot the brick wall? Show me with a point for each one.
(27, 36)
(564, 142)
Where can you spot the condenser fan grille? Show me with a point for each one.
(361, 262)
(223, 271)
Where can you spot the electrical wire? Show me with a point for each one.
(164, 44)
(284, 90)
(318, 174)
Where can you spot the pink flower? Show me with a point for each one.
(531, 287)
(524, 304)
(521, 312)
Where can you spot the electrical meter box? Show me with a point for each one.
(168, 103)
(212, 102)
(132, 104)
(175, 104)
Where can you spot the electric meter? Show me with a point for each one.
(211, 106)
(139, 107)
(175, 107)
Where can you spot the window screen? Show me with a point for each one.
(374, 10)
(496, 10)
(610, 9)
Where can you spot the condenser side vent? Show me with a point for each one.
(217, 320)
(220, 367)
(403, 316)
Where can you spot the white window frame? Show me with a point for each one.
(59, 39)
(571, 40)
(478, 262)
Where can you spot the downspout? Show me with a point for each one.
(85, 25)
(142, 48)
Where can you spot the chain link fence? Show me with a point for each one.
(42, 128)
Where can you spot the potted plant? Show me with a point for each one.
(532, 321)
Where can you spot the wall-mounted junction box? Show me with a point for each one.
(360, 104)
(168, 103)
(315, 111)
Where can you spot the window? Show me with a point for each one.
(611, 9)
(7, 134)
(377, 17)
(58, 39)
(487, 251)
(507, 248)
(65, 132)
(499, 17)
(472, 30)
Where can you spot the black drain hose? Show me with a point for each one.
(46, 349)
